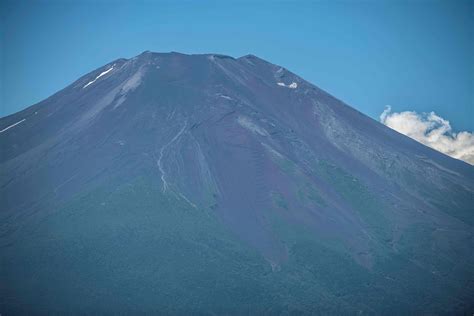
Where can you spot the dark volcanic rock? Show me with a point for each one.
(177, 184)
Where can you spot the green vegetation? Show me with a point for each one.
(358, 196)
(279, 200)
(309, 192)
(129, 248)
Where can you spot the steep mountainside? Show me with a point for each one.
(206, 184)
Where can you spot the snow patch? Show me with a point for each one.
(13, 125)
(100, 75)
(293, 85)
(224, 96)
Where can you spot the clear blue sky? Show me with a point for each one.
(413, 55)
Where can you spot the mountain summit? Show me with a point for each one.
(205, 184)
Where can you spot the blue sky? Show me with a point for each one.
(412, 55)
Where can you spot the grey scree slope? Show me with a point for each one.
(178, 184)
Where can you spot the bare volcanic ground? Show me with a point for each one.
(205, 184)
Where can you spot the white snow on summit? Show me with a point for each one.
(101, 74)
(293, 85)
(13, 125)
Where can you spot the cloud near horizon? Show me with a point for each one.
(432, 131)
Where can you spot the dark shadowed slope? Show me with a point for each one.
(206, 184)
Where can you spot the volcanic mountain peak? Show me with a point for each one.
(266, 184)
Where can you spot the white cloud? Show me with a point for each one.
(433, 131)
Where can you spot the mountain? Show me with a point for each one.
(204, 184)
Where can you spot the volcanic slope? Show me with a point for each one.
(177, 184)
